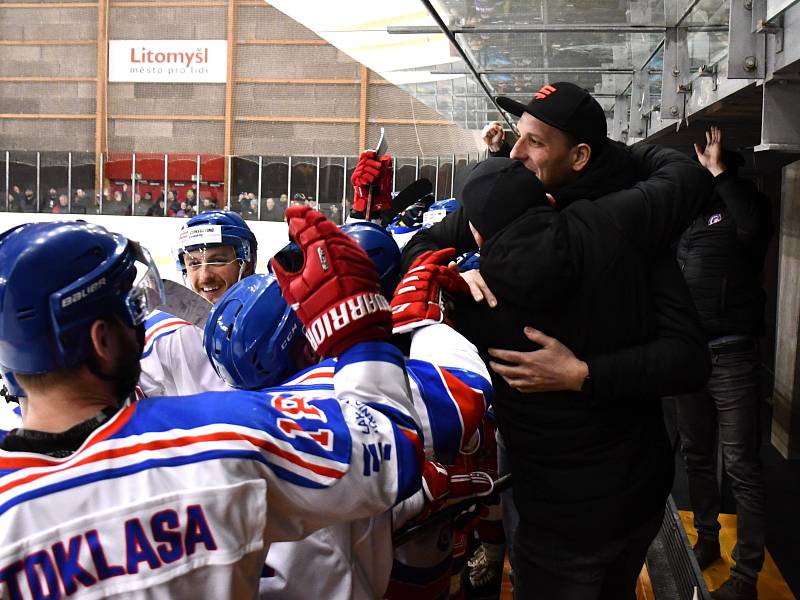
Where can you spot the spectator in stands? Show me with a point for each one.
(250, 209)
(208, 204)
(80, 203)
(125, 198)
(116, 205)
(174, 206)
(15, 199)
(334, 214)
(28, 201)
(51, 202)
(157, 208)
(283, 202)
(270, 211)
(721, 255)
(62, 205)
(190, 197)
(140, 207)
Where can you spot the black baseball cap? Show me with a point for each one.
(567, 107)
(497, 191)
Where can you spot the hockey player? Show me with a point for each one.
(254, 341)
(215, 249)
(167, 499)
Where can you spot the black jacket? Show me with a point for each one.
(596, 276)
(722, 254)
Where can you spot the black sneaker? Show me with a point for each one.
(706, 551)
(735, 589)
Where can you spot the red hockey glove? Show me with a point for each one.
(372, 174)
(336, 291)
(367, 169)
(448, 484)
(418, 299)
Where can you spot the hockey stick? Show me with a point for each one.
(405, 534)
(407, 196)
(185, 304)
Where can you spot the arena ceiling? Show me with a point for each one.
(456, 55)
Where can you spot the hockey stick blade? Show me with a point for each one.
(406, 197)
(185, 304)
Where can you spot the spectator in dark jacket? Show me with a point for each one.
(721, 255)
(629, 365)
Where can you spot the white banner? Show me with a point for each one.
(168, 61)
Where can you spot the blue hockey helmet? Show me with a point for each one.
(438, 211)
(216, 228)
(56, 279)
(250, 333)
(381, 248)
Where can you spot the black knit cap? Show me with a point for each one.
(567, 107)
(497, 191)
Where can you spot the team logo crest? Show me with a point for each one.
(544, 92)
(713, 219)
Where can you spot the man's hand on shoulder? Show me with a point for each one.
(477, 286)
(553, 368)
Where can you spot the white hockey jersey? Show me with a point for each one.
(174, 362)
(181, 499)
(354, 560)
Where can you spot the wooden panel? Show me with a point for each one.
(270, 119)
(314, 42)
(410, 122)
(45, 79)
(48, 42)
(40, 5)
(166, 4)
(229, 86)
(283, 80)
(362, 110)
(46, 117)
(168, 117)
(101, 91)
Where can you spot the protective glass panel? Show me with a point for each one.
(244, 186)
(84, 195)
(54, 180)
(427, 170)
(304, 180)
(22, 179)
(331, 187)
(444, 187)
(6, 201)
(405, 172)
(275, 181)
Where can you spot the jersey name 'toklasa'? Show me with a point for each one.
(179, 498)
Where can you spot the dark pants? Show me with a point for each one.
(728, 406)
(510, 514)
(605, 570)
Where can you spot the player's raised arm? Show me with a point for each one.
(364, 443)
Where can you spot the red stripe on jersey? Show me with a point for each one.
(160, 326)
(120, 419)
(328, 374)
(470, 403)
(114, 453)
